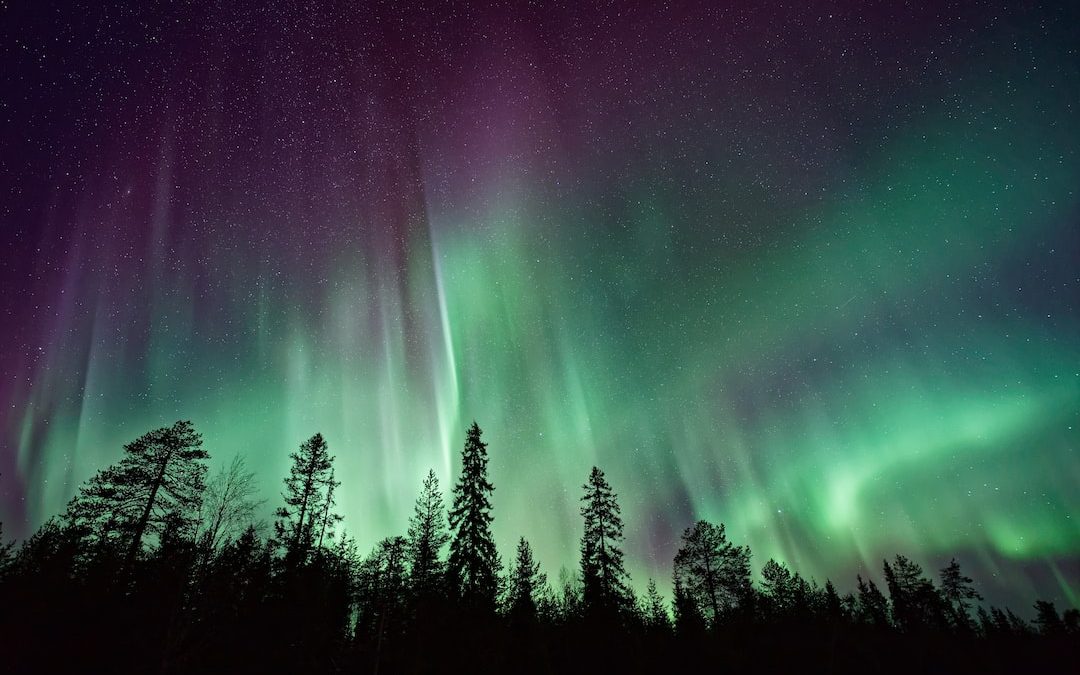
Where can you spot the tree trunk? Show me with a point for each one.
(144, 519)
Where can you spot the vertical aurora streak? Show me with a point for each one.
(812, 273)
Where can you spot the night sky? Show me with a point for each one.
(812, 272)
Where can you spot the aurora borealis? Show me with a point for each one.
(812, 272)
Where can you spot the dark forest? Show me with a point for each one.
(157, 565)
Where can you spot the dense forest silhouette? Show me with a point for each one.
(158, 566)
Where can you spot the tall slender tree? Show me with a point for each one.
(957, 591)
(473, 565)
(872, 605)
(157, 485)
(654, 611)
(382, 596)
(328, 519)
(308, 499)
(604, 579)
(713, 572)
(527, 583)
(426, 538)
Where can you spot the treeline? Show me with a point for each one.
(156, 566)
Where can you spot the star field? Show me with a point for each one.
(809, 271)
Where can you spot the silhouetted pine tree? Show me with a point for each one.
(328, 519)
(916, 604)
(382, 595)
(1047, 619)
(526, 586)
(308, 500)
(1070, 618)
(832, 607)
(159, 481)
(654, 611)
(987, 625)
(779, 589)
(604, 579)
(1017, 625)
(957, 590)
(6, 552)
(472, 568)
(426, 538)
(689, 623)
(872, 605)
(712, 572)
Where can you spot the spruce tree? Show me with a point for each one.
(604, 579)
(527, 583)
(778, 588)
(426, 538)
(689, 623)
(303, 521)
(656, 614)
(473, 565)
(382, 596)
(872, 605)
(157, 485)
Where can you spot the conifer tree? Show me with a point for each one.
(6, 552)
(656, 614)
(1047, 619)
(526, 585)
(872, 605)
(689, 623)
(713, 572)
(309, 500)
(157, 484)
(382, 595)
(426, 538)
(604, 579)
(831, 605)
(957, 590)
(916, 604)
(473, 564)
(778, 588)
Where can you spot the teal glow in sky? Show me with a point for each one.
(812, 273)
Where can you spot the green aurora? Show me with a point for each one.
(866, 345)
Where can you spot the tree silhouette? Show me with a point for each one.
(383, 596)
(712, 572)
(832, 607)
(872, 605)
(526, 584)
(604, 579)
(426, 537)
(308, 499)
(473, 564)
(916, 604)
(654, 611)
(159, 482)
(6, 552)
(780, 589)
(957, 590)
(228, 506)
(205, 592)
(1047, 619)
(1070, 618)
(689, 622)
